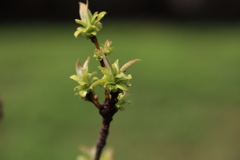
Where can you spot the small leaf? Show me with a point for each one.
(110, 86)
(74, 77)
(98, 26)
(104, 71)
(94, 79)
(78, 31)
(76, 88)
(128, 64)
(94, 17)
(91, 23)
(100, 16)
(98, 82)
(108, 43)
(94, 33)
(84, 12)
(107, 63)
(92, 74)
(83, 93)
(123, 96)
(81, 22)
(115, 67)
(129, 76)
(122, 87)
(79, 69)
(120, 75)
(85, 65)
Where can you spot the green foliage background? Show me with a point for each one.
(185, 92)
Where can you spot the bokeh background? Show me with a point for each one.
(185, 91)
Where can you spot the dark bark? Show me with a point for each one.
(106, 110)
(95, 41)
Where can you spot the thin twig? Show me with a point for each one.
(107, 112)
(107, 96)
(94, 99)
(95, 41)
(102, 138)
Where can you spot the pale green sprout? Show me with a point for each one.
(114, 78)
(106, 49)
(83, 78)
(122, 99)
(90, 23)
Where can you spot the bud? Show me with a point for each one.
(107, 47)
(83, 78)
(90, 23)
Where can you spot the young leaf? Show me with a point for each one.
(128, 64)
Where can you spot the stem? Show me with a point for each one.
(107, 97)
(95, 41)
(107, 111)
(102, 138)
(94, 99)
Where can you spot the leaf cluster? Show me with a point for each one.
(114, 79)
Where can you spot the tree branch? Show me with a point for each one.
(107, 112)
(102, 138)
(95, 41)
(94, 99)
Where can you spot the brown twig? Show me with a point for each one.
(106, 110)
(94, 99)
(95, 41)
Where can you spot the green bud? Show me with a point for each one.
(122, 100)
(106, 49)
(97, 54)
(91, 23)
(113, 78)
(128, 64)
(83, 78)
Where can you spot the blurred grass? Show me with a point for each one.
(185, 92)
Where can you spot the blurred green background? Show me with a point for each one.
(185, 91)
